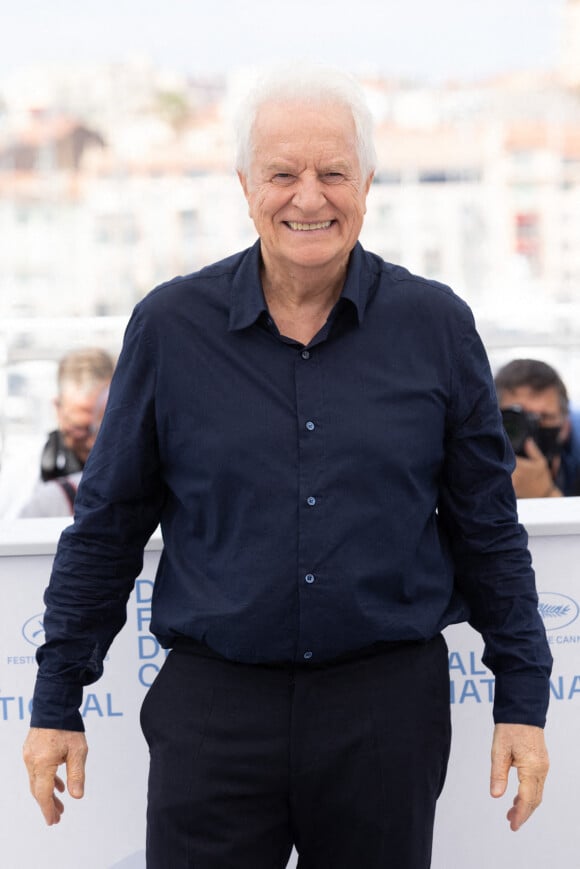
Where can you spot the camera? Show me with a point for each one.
(520, 425)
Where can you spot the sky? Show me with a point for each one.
(423, 40)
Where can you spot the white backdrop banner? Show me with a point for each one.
(106, 829)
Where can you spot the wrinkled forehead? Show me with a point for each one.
(291, 133)
(295, 118)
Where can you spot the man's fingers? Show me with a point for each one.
(521, 811)
(523, 747)
(528, 798)
(498, 785)
(52, 811)
(44, 751)
(501, 761)
(75, 772)
(42, 787)
(532, 449)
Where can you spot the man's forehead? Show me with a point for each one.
(291, 114)
(300, 131)
(525, 394)
(72, 394)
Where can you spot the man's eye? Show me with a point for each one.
(283, 177)
(333, 177)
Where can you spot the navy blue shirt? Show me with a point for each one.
(313, 500)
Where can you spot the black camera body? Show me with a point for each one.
(520, 425)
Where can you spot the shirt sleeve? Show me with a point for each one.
(117, 508)
(478, 514)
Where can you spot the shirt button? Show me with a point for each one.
(310, 425)
(307, 656)
(305, 354)
(311, 501)
(309, 577)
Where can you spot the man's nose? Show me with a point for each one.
(309, 195)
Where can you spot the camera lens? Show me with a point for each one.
(519, 426)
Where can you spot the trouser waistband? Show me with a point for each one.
(190, 646)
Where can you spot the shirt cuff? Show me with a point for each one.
(56, 705)
(521, 698)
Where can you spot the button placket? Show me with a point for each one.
(309, 407)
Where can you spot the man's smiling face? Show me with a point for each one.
(304, 189)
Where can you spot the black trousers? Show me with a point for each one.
(345, 761)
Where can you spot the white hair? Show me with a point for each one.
(317, 85)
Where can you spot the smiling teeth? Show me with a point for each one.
(305, 227)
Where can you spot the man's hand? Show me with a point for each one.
(522, 746)
(532, 477)
(44, 751)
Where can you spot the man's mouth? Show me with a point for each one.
(308, 227)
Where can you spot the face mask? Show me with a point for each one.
(547, 438)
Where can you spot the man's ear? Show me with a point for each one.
(366, 188)
(565, 430)
(244, 182)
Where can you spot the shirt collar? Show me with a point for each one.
(247, 299)
(359, 280)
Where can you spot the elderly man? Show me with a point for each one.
(317, 432)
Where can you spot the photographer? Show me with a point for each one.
(84, 376)
(83, 381)
(544, 434)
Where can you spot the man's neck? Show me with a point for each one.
(300, 301)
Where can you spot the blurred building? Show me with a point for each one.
(570, 60)
(477, 185)
(482, 190)
(114, 180)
